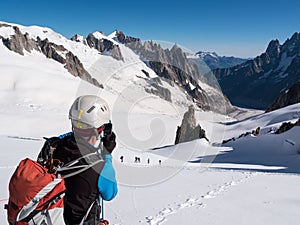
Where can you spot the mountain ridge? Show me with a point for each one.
(174, 66)
(257, 83)
(214, 61)
(86, 57)
(289, 97)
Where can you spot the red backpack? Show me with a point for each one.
(36, 189)
(35, 195)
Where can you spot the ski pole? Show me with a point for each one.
(102, 220)
(102, 207)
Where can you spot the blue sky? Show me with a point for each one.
(232, 27)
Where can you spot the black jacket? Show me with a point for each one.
(81, 189)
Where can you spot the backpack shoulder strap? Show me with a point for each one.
(72, 168)
(89, 161)
(87, 213)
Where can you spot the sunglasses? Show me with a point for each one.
(100, 129)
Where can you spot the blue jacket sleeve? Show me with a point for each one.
(107, 184)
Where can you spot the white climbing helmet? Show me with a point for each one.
(89, 111)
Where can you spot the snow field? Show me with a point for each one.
(253, 180)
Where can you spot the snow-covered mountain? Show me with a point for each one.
(258, 82)
(207, 61)
(109, 63)
(214, 61)
(289, 97)
(174, 66)
(252, 180)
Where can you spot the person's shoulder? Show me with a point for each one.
(66, 136)
(52, 144)
(58, 140)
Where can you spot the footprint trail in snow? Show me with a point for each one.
(162, 215)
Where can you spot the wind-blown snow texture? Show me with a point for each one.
(252, 180)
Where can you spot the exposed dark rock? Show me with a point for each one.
(228, 140)
(78, 38)
(287, 126)
(289, 97)
(125, 39)
(115, 52)
(156, 89)
(75, 67)
(72, 63)
(18, 42)
(292, 45)
(96, 83)
(283, 128)
(51, 50)
(245, 134)
(105, 46)
(179, 77)
(202, 99)
(121, 37)
(174, 66)
(146, 73)
(156, 80)
(256, 132)
(4, 25)
(258, 82)
(93, 42)
(178, 132)
(273, 49)
(189, 130)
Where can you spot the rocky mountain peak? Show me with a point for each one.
(189, 130)
(174, 67)
(207, 61)
(178, 53)
(203, 55)
(79, 38)
(295, 37)
(125, 39)
(292, 45)
(171, 65)
(176, 49)
(19, 42)
(104, 45)
(258, 82)
(273, 49)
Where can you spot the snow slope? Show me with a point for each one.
(253, 180)
(118, 76)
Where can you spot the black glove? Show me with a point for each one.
(109, 142)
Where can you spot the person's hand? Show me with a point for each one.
(109, 142)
